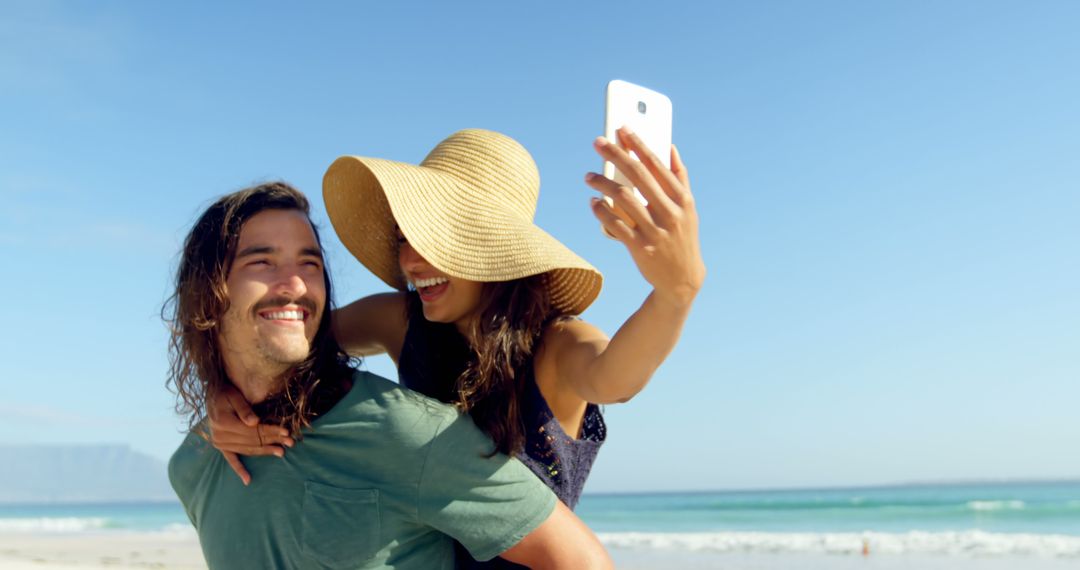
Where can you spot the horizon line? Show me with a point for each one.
(854, 487)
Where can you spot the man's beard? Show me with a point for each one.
(289, 353)
(291, 350)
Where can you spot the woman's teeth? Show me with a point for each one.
(429, 282)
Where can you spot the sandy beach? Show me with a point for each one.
(113, 550)
(101, 550)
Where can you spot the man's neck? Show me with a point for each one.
(264, 384)
(257, 381)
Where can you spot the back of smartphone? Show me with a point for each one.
(645, 111)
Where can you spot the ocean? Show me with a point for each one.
(974, 520)
(981, 520)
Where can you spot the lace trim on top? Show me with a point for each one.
(562, 461)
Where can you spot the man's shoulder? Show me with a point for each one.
(399, 413)
(189, 461)
(192, 449)
(374, 390)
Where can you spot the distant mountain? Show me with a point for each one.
(80, 474)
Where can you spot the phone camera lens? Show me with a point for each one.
(641, 107)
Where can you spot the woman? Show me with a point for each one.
(488, 321)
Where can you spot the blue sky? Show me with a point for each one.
(889, 195)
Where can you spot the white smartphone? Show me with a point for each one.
(645, 111)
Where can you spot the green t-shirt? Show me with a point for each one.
(384, 479)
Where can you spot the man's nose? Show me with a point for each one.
(291, 284)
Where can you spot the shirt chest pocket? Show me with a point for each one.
(340, 527)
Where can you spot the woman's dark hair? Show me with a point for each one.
(511, 318)
(194, 312)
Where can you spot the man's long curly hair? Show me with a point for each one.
(194, 314)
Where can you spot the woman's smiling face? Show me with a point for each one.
(445, 299)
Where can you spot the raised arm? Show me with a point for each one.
(372, 325)
(662, 239)
(561, 541)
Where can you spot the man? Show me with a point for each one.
(382, 476)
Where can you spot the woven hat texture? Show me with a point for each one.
(468, 209)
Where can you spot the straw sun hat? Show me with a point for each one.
(467, 209)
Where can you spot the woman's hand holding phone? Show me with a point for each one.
(663, 238)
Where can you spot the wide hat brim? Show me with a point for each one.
(456, 212)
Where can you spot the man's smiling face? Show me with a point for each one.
(276, 291)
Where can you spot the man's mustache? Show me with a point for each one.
(275, 302)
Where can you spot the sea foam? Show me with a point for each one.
(53, 524)
(962, 543)
(996, 505)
